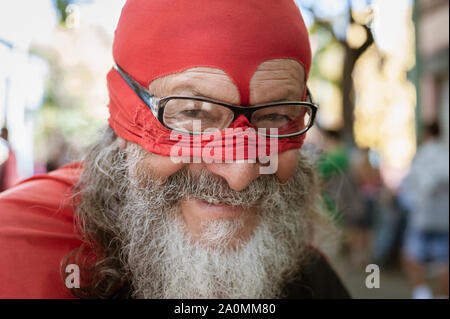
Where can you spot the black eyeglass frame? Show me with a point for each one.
(157, 105)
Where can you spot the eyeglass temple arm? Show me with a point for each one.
(309, 97)
(145, 96)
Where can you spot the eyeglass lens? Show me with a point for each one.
(197, 116)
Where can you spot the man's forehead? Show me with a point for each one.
(273, 80)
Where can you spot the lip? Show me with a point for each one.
(220, 210)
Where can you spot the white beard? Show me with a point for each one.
(134, 225)
(164, 262)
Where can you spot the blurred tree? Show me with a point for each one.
(61, 8)
(339, 25)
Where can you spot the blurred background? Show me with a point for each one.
(380, 75)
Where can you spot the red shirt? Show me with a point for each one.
(36, 232)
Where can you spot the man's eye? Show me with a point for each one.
(195, 114)
(274, 117)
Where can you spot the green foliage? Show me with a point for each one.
(61, 6)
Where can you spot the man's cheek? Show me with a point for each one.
(269, 165)
(160, 166)
(287, 164)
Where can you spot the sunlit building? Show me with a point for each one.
(432, 21)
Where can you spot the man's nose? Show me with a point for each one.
(237, 174)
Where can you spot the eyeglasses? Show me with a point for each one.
(197, 115)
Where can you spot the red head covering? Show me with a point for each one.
(155, 38)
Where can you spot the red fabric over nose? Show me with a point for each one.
(155, 38)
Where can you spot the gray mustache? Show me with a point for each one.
(215, 190)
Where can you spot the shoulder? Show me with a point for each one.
(317, 280)
(36, 232)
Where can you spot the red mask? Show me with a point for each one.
(155, 38)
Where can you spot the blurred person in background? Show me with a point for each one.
(333, 167)
(425, 191)
(8, 165)
(390, 229)
(368, 184)
(151, 225)
(339, 190)
(58, 154)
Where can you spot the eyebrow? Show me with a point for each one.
(194, 91)
(285, 97)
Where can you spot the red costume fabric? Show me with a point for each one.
(157, 38)
(36, 232)
(8, 172)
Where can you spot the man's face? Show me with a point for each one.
(273, 81)
(151, 219)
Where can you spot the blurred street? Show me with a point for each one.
(393, 283)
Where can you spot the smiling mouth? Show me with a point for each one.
(223, 209)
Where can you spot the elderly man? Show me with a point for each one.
(197, 188)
